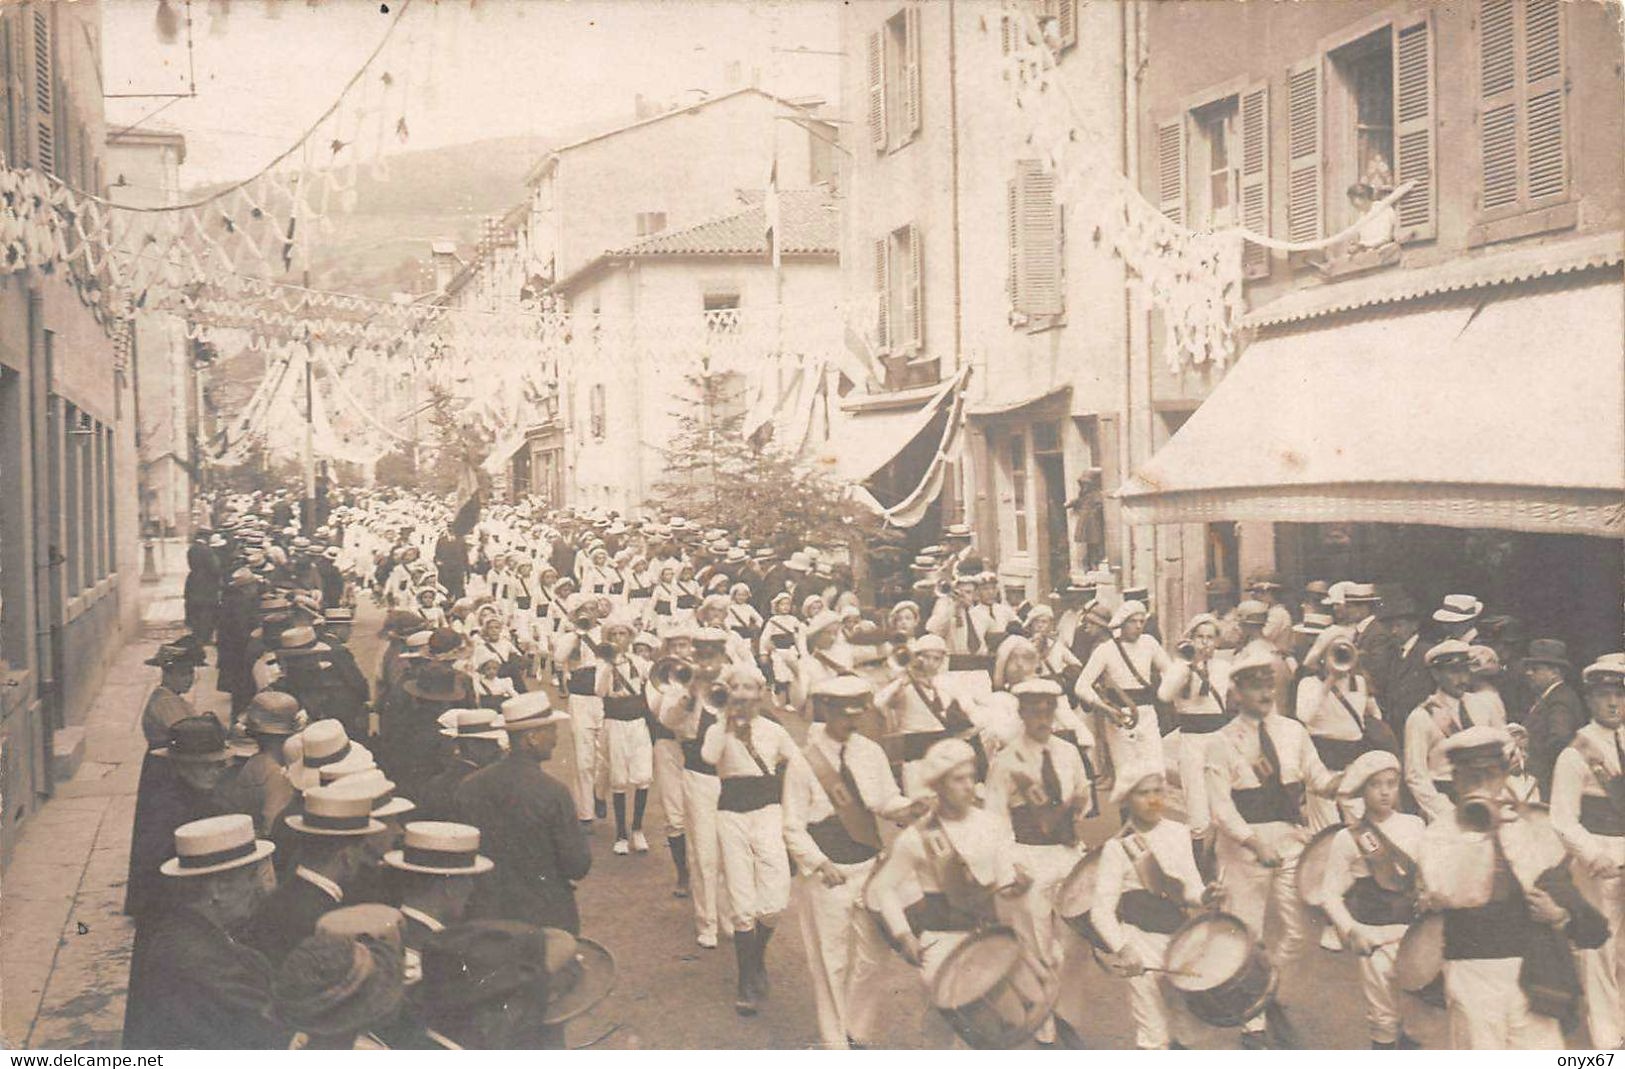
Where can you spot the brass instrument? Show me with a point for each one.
(1483, 812)
(1123, 712)
(1342, 655)
(671, 672)
(582, 621)
(1186, 651)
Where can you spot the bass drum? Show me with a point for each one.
(1220, 971)
(1075, 897)
(993, 992)
(1420, 958)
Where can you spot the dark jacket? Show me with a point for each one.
(163, 802)
(1552, 722)
(202, 575)
(287, 917)
(527, 824)
(194, 987)
(1400, 682)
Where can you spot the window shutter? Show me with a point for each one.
(44, 97)
(1012, 222)
(1066, 18)
(916, 291)
(1255, 177)
(1006, 32)
(9, 89)
(877, 92)
(1545, 135)
(1171, 169)
(911, 24)
(1303, 177)
(883, 294)
(1498, 105)
(1413, 128)
(1040, 238)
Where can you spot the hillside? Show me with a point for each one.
(425, 194)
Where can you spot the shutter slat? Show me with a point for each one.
(916, 290)
(1497, 64)
(1413, 129)
(1546, 149)
(1040, 241)
(1544, 129)
(877, 92)
(1303, 182)
(43, 80)
(1543, 39)
(1171, 170)
(1498, 136)
(1066, 17)
(1012, 209)
(911, 24)
(883, 292)
(1254, 185)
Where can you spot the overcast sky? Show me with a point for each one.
(265, 69)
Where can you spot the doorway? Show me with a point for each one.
(1056, 560)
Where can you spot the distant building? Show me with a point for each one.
(69, 550)
(706, 291)
(143, 166)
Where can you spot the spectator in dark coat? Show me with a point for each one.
(201, 595)
(451, 562)
(193, 986)
(1400, 680)
(1557, 713)
(180, 786)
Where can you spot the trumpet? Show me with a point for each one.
(1342, 655)
(1186, 651)
(1482, 812)
(582, 621)
(715, 699)
(671, 671)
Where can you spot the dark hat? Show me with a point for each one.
(969, 567)
(1397, 606)
(1220, 586)
(479, 962)
(439, 683)
(1264, 581)
(1548, 651)
(169, 655)
(333, 984)
(446, 644)
(402, 622)
(195, 740)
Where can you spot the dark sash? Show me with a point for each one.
(855, 819)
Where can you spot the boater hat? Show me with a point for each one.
(334, 811)
(528, 712)
(841, 694)
(471, 724)
(380, 789)
(216, 844)
(440, 848)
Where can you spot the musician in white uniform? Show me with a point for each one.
(750, 753)
(1588, 813)
(628, 748)
(944, 872)
(686, 715)
(576, 650)
(831, 804)
(1199, 688)
(1037, 783)
(1146, 882)
(1370, 885)
(1444, 713)
(1511, 911)
(667, 751)
(1130, 661)
(919, 711)
(820, 662)
(1259, 766)
(1336, 706)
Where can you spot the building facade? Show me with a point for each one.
(69, 548)
(143, 170)
(1403, 410)
(962, 265)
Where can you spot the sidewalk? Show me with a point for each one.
(64, 940)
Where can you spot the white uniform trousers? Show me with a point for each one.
(755, 865)
(844, 952)
(700, 791)
(586, 737)
(1137, 747)
(668, 783)
(1033, 915)
(1488, 1010)
(1382, 1001)
(1192, 785)
(1254, 892)
(1147, 1000)
(1602, 971)
(630, 752)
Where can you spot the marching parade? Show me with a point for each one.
(928, 779)
(930, 525)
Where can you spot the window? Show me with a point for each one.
(1213, 170)
(1523, 137)
(894, 81)
(1220, 151)
(1035, 280)
(651, 223)
(595, 404)
(900, 328)
(1057, 20)
(1018, 488)
(722, 312)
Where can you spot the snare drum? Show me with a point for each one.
(1075, 897)
(1312, 866)
(993, 992)
(1222, 973)
(1420, 958)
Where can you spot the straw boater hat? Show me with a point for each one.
(380, 789)
(300, 642)
(1606, 671)
(216, 844)
(1448, 652)
(333, 985)
(527, 712)
(440, 848)
(471, 724)
(1458, 609)
(332, 810)
(1313, 623)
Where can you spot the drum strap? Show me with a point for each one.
(933, 702)
(1139, 677)
(844, 797)
(1391, 867)
(1149, 870)
(959, 886)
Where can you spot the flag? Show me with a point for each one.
(770, 209)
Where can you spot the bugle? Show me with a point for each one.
(670, 672)
(1342, 655)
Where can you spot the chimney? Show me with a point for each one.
(443, 258)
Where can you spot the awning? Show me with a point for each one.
(1507, 413)
(877, 446)
(990, 409)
